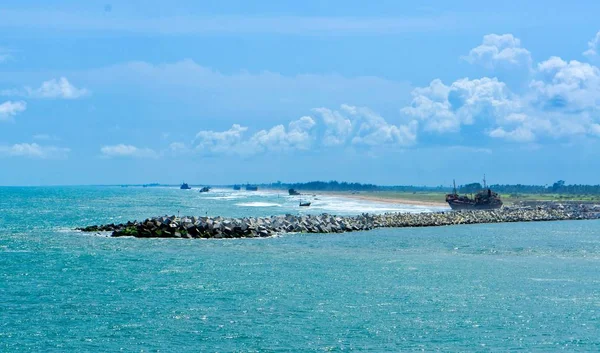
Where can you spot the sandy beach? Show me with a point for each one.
(403, 201)
(390, 198)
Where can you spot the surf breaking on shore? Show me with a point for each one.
(252, 227)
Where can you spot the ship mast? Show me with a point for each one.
(454, 182)
(484, 184)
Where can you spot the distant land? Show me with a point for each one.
(557, 191)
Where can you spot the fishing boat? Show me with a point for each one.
(205, 189)
(304, 204)
(184, 186)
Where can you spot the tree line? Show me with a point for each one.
(559, 187)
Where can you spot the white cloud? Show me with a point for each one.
(593, 46)
(227, 142)
(9, 109)
(446, 108)
(122, 150)
(338, 127)
(567, 86)
(519, 134)
(52, 89)
(561, 100)
(296, 137)
(276, 139)
(497, 50)
(373, 130)
(60, 88)
(33, 150)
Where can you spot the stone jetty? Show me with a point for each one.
(254, 227)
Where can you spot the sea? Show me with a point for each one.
(468, 288)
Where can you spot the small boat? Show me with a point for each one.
(251, 187)
(304, 204)
(205, 189)
(237, 187)
(184, 186)
(293, 192)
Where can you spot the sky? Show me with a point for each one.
(224, 92)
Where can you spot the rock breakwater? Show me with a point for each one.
(253, 227)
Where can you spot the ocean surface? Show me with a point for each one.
(497, 287)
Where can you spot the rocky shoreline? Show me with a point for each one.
(254, 227)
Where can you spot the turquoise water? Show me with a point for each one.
(501, 287)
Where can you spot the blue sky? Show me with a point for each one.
(216, 92)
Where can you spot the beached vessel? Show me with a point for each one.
(293, 192)
(485, 199)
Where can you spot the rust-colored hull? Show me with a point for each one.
(473, 206)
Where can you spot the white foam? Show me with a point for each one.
(258, 204)
(348, 205)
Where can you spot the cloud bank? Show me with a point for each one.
(561, 101)
(33, 150)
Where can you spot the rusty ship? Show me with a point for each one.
(485, 199)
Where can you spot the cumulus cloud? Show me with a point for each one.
(52, 89)
(33, 150)
(561, 100)
(227, 141)
(593, 46)
(567, 86)
(373, 130)
(445, 108)
(499, 49)
(9, 109)
(122, 150)
(337, 127)
(278, 138)
(519, 134)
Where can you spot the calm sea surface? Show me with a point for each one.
(500, 287)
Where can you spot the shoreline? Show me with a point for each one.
(370, 196)
(381, 199)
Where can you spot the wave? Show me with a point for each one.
(258, 204)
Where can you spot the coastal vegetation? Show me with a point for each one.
(558, 191)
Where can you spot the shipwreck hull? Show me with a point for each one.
(473, 206)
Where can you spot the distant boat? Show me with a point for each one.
(304, 204)
(184, 186)
(251, 187)
(205, 189)
(237, 187)
(293, 192)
